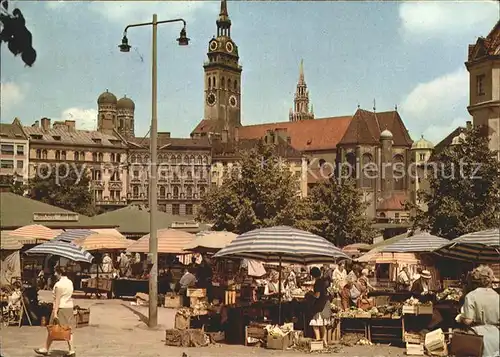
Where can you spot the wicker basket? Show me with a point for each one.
(59, 333)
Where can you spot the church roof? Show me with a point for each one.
(193, 143)
(395, 202)
(366, 127)
(306, 135)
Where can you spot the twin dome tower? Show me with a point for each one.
(115, 114)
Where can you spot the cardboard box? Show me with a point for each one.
(316, 346)
(173, 302)
(425, 309)
(410, 310)
(414, 349)
(199, 293)
(279, 342)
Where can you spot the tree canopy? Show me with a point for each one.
(338, 212)
(464, 192)
(260, 192)
(64, 186)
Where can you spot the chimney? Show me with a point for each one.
(36, 124)
(225, 135)
(59, 125)
(70, 124)
(163, 135)
(468, 124)
(45, 123)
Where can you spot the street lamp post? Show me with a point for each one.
(153, 238)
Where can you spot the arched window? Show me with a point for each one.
(101, 156)
(38, 154)
(77, 156)
(63, 155)
(58, 155)
(162, 191)
(209, 84)
(179, 159)
(202, 190)
(112, 157)
(82, 155)
(223, 83)
(176, 192)
(351, 165)
(189, 174)
(368, 169)
(191, 159)
(44, 154)
(94, 156)
(214, 82)
(229, 83)
(189, 191)
(398, 172)
(198, 160)
(118, 158)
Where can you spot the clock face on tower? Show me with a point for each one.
(211, 99)
(229, 47)
(233, 101)
(213, 45)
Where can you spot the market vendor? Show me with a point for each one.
(340, 275)
(345, 296)
(364, 281)
(188, 280)
(403, 281)
(107, 263)
(422, 285)
(273, 284)
(291, 280)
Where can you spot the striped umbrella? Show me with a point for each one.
(282, 244)
(98, 241)
(34, 234)
(169, 241)
(62, 249)
(70, 235)
(480, 247)
(8, 242)
(418, 243)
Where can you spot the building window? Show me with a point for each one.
(20, 149)
(189, 209)
(202, 190)
(398, 173)
(98, 195)
(7, 164)
(7, 149)
(44, 154)
(20, 164)
(63, 155)
(422, 157)
(480, 84)
(189, 192)
(58, 155)
(82, 156)
(176, 209)
(100, 156)
(96, 175)
(118, 158)
(162, 191)
(115, 176)
(94, 156)
(112, 157)
(176, 192)
(369, 171)
(135, 191)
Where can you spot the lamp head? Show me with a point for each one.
(183, 39)
(124, 47)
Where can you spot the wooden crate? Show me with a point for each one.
(259, 333)
(414, 349)
(173, 302)
(198, 293)
(333, 333)
(82, 317)
(316, 346)
(104, 284)
(410, 337)
(425, 310)
(410, 310)
(279, 342)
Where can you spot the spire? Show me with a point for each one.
(223, 22)
(223, 8)
(374, 105)
(301, 71)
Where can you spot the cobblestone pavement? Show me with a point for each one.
(117, 330)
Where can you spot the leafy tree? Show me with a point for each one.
(338, 212)
(15, 33)
(464, 192)
(261, 192)
(64, 186)
(15, 186)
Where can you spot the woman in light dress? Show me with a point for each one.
(481, 311)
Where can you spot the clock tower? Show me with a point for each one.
(223, 78)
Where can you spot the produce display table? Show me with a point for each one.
(130, 287)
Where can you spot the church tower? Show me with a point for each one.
(223, 78)
(301, 102)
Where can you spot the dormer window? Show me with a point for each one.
(36, 136)
(97, 141)
(57, 137)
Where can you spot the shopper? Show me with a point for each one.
(321, 307)
(62, 311)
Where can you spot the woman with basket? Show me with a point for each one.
(62, 319)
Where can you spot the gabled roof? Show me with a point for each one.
(18, 211)
(305, 135)
(12, 131)
(366, 126)
(489, 46)
(447, 141)
(62, 135)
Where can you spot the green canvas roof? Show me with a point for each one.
(133, 220)
(18, 211)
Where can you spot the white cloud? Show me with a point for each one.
(86, 119)
(136, 11)
(11, 95)
(444, 18)
(437, 107)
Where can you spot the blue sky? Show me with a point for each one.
(409, 54)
